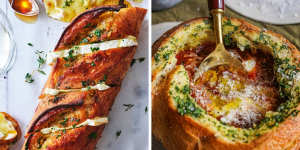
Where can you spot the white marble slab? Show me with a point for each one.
(22, 96)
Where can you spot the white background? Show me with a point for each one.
(23, 97)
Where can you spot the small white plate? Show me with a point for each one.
(269, 11)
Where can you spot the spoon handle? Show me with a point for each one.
(3, 92)
(216, 4)
(217, 9)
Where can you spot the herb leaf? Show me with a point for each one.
(28, 78)
(118, 133)
(29, 44)
(41, 71)
(128, 106)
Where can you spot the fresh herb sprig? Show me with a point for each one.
(128, 106)
(41, 59)
(141, 59)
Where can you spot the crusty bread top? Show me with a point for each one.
(109, 66)
(191, 34)
(17, 128)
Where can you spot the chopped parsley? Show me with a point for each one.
(156, 57)
(128, 106)
(30, 44)
(146, 109)
(104, 79)
(93, 49)
(64, 122)
(84, 83)
(67, 3)
(132, 62)
(98, 32)
(70, 56)
(141, 59)
(118, 133)
(93, 64)
(85, 40)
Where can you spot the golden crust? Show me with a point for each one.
(4, 144)
(184, 132)
(110, 65)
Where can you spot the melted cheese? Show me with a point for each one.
(66, 10)
(249, 64)
(85, 49)
(7, 130)
(97, 121)
(99, 86)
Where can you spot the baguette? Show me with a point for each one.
(76, 99)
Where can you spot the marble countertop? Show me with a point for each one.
(23, 97)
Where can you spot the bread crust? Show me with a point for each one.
(183, 132)
(4, 144)
(110, 66)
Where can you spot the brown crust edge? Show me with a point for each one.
(16, 126)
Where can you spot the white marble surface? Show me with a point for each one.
(269, 11)
(22, 96)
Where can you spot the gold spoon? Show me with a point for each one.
(25, 7)
(220, 56)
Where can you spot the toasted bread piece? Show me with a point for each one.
(4, 144)
(74, 112)
(180, 123)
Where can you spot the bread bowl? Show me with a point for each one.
(10, 131)
(88, 63)
(190, 115)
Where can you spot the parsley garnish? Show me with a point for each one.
(84, 40)
(146, 109)
(28, 78)
(132, 62)
(84, 83)
(68, 3)
(141, 59)
(41, 71)
(70, 56)
(118, 133)
(98, 32)
(93, 64)
(29, 44)
(93, 49)
(64, 122)
(128, 106)
(104, 79)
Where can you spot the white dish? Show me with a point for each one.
(269, 11)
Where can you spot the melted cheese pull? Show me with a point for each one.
(97, 121)
(85, 49)
(7, 130)
(99, 86)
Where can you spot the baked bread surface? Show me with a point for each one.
(5, 144)
(69, 109)
(179, 123)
